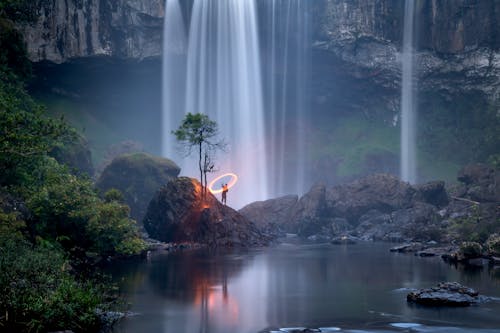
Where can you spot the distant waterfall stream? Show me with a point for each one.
(408, 108)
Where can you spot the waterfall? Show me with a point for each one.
(251, 80)
(221, 78)
(286, 40)
(174, 68)
(408, 109)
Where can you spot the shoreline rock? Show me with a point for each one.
(445, 294)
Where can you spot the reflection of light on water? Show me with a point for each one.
(237, 304)
(216, 305)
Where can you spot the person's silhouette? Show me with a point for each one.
(225, 189)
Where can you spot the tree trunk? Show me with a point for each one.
(201, 171)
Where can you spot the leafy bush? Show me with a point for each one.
(470, 250)
(67, 209)
(493, 245)
(39, 294)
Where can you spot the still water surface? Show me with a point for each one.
(357, 288)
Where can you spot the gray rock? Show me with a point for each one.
(433, 193)
(445, 294)
(178, 213)
(482, 182)
(275, 212)
(408, 248)
(66, 30)
(381, 192)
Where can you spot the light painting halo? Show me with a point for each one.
(232, 182)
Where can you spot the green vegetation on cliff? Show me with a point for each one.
(51, 220)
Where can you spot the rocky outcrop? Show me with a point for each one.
(69, 29)
(138, 176)
(433, 193)
(273, 214)
(382, 192)
(177, 213)
(482, 183)
(445, 294)
(382, 207)
(455, 51)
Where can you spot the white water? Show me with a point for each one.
(174, 68)
(408, 109)
(223, 80)
(287, 68)
(221, 68)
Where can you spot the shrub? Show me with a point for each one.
(39, 294)
(493, 245)
(470, 250)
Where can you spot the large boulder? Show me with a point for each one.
(138, 176)
(178, 213)
(433, 193)
(482, 182)
(310, 215)
(382, 192)
(273, 213)
(445, 294)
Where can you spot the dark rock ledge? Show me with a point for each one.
(445, 294)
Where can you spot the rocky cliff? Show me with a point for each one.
(457, 42)
(68, 29)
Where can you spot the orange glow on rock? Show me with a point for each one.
(231, 183)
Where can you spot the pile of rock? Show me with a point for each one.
(445, 294)
(382, 207)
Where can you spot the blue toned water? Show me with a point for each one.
(359, 288)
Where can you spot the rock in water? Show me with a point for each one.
(445, 294)
(138, 176)
(177, 213)
(273, 212)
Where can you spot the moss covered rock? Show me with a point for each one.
(138, 176)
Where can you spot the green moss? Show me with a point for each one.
(351, 139)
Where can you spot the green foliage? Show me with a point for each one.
(198, 132)
(39, 294)
(475, 226)
(65, 218)
(113, 195)
(13, 51)
(20, 10)
(493, 245)
(470, 250)
(67, 209)
(463, 131)
(113, 231)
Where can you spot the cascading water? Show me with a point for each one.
(174, 77)
(286, 64)
(408, 110)
(259, 105)
(223, 80)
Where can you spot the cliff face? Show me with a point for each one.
(457, 42)
(456, 39)
(68, 29)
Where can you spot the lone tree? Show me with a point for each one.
(198, 132)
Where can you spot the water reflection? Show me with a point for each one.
(353, 287)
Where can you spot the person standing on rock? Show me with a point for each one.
(224, 193)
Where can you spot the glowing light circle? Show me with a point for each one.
(231, 183)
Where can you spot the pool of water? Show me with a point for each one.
(354, 288)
